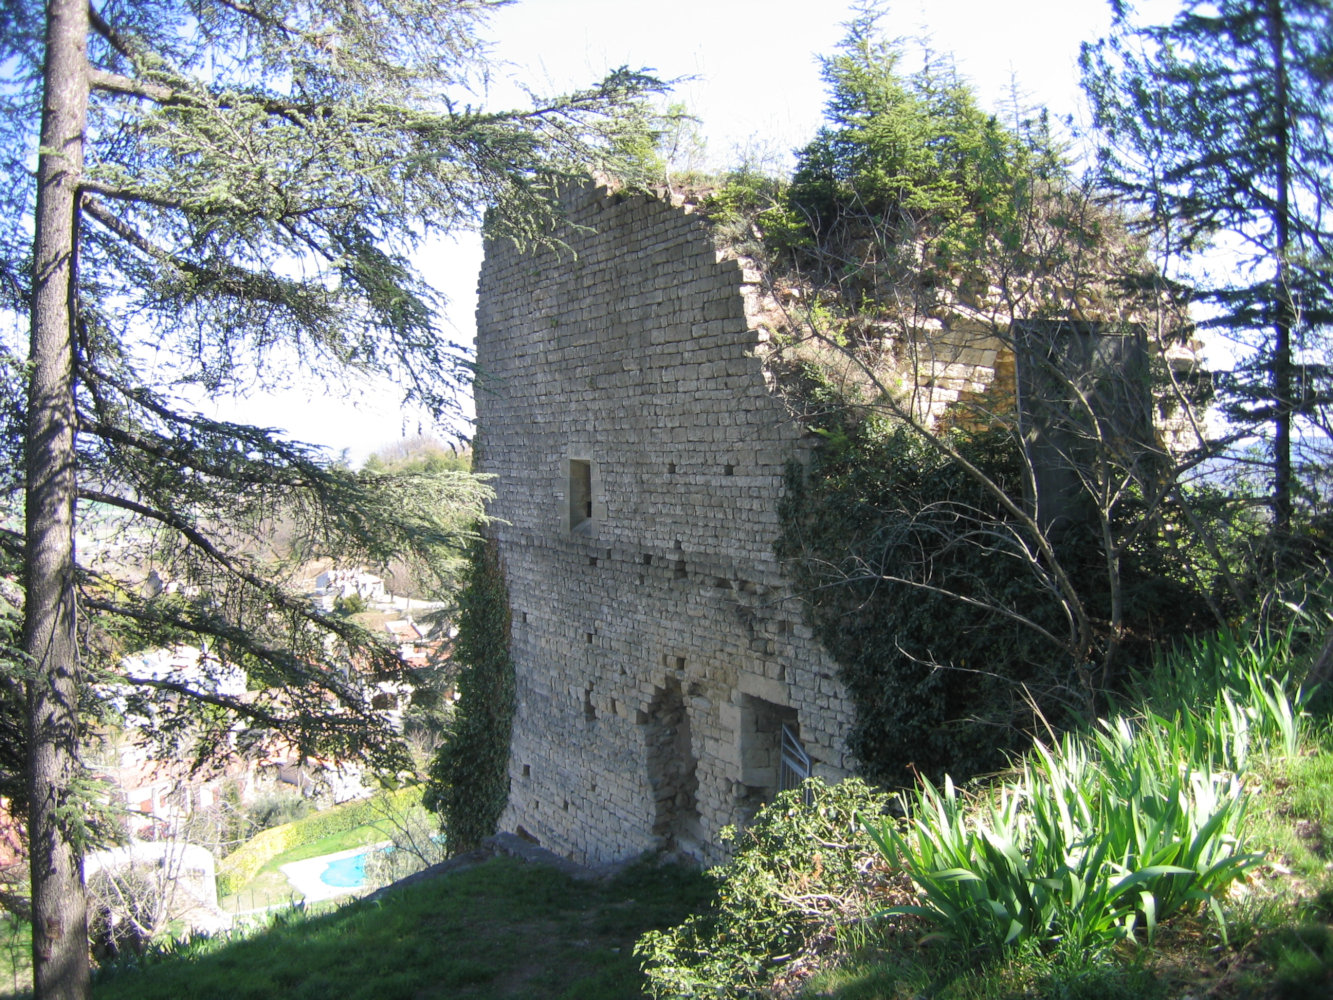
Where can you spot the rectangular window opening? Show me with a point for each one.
(773, 756)
(580, 496)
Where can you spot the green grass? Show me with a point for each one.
(910, 975)
(1098, 838)
(503, 929)
(1293, 812)
(15, 956)
(1280, 943)
(509, 930)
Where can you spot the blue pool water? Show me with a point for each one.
(346, 873)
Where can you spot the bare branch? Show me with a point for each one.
(114, 38)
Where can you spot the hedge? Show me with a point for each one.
(242, 864)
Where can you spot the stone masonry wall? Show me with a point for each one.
(639, 458)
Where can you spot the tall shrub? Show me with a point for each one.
(468, 783)
(804, 869)
(911, 152)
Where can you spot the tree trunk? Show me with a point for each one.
(59, 909)
(1283, 391)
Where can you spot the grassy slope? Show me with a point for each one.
(509, 930)
(269, 888)
(503, 929)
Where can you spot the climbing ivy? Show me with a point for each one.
(875, 536)
(468, 781)
(919, 583)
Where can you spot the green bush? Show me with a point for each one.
(352, 604)
(276, 809)
(910, 158)
(244, 863)
(801, 872)
(468, 781)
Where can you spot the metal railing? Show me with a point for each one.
(794, 762)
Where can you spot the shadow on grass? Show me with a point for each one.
(502, 929)
(911, 977)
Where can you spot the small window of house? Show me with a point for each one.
(580, 496)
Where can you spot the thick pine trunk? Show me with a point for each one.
(59, 909)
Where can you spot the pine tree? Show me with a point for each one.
(227, 196)
(1220, 126)
(915, 154)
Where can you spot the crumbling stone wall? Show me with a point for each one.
(639, 456)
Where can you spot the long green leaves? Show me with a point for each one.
(1099, 838)
(1225, 699)
(1067, 854)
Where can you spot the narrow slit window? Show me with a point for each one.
(580, 495)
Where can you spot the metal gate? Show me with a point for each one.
(794, 763)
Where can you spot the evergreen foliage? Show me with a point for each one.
(915, 155)
(12, 708)
(801, 870)
(347, 607)
(468, 782)
(1218, 126)
(227, 197)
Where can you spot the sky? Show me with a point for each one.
(748, 70)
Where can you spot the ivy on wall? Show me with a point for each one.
(879, 537)
(943, 622)
(468, 782)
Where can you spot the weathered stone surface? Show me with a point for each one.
(656, 642)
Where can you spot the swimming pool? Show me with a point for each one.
(348, 872)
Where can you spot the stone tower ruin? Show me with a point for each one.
(667, 685)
